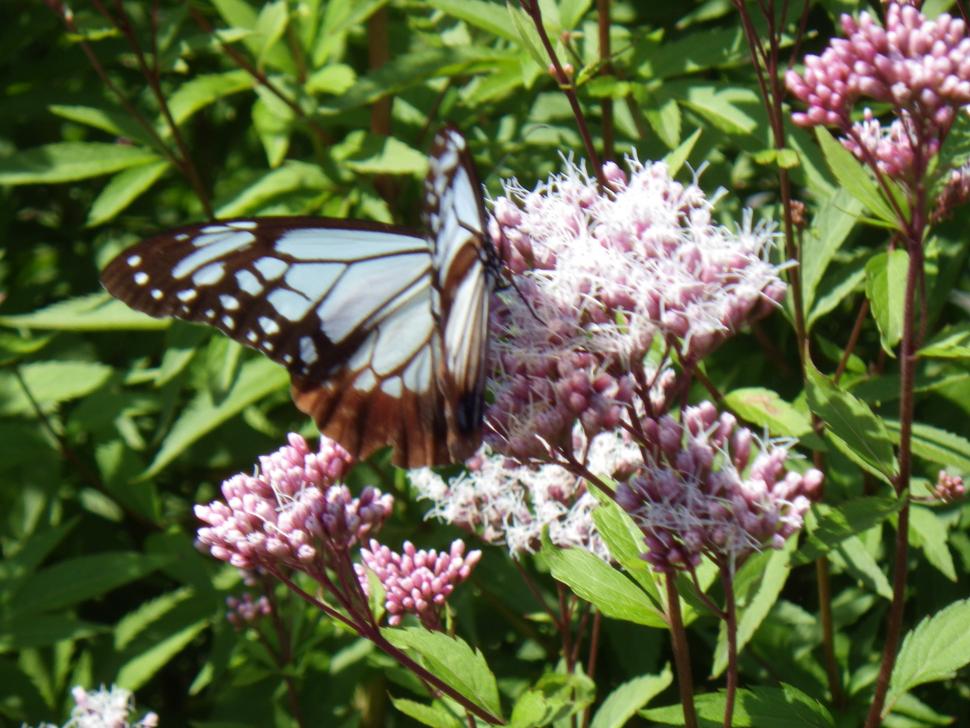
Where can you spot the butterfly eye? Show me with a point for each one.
(383, 329)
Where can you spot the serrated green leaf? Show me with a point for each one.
(147, 613)
(623, 703)
(729, 108)
(833, 525)
(853, 556)
(123, 189)
(696, 52)
(554, 698)
(936, 445)
(96, 312)
(257, 378)
(526, 34)
(851, 426)
(854, 177)
(601, 585)
(453, 661)
(844, 283)
(70, 161)
(72, 581)
(933, 651)
(886, 291)
(205, 89)
(929, 533)
(49, 383)
(625, 543)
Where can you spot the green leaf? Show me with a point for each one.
(139, 670)
(273, 122)
(526, 34)
(953, 342)
(205, 89)
(49, 383)
(841, 285)
(70, 161)
(676, 158)
(830, 229)
(292, 176)
(623, 703)
(854, 177)
(601, 585)
(929, 534)
(784, 707)
(453, 661)
(123, 189)
(725, 107)
(693, 53)
(435, 715)
(665, 120)
(935, 445)
(853, 556)
(386, 155)
(759, 583)
(95, 312)
(270, 27)
(488, 16)
(851, 426)
(833, 525)
(781, 158)
(553, 699)
(886, 291)
(44, 630)
(341, 16)
(765, 408)
(625, 542)
(114, 122)
(240, 14)
(933, 651)
(257, 378)
(335, 78)
(72, 581)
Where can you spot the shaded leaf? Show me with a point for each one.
(885, 289)
(935, 445)
(95, 312)
(623, 703)
(833, 525)
(929, 533)
(123, 189)
(70, 161)
(49, 383)
(853, 177)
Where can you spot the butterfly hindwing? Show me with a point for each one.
(383, 329)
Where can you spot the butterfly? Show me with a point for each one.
(383, 329)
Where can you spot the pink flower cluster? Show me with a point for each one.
(417, 581)
(106, 708)
(291, 512)
(702, 493)
(504, 502)
(949, 487)
(599, 276)
(918, 66)
(246, 611)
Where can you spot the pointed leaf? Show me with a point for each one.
(938, 446)
(96, 312)
(623, 703)
(833, 525)
(933, 651)
(829, 230)
(205, 89)
(886, 289)
(929, 533)
(453, 661)
(765, 408)
(488, 16)
(123, 189)
(70, 161)
(854, 177)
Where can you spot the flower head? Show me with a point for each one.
(702, 493)
(600, 277)
(416, 581)
(949, 487)
(106, 708)
(292, 512)
(246, 611)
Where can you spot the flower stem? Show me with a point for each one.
(731, 627)
(685, 681)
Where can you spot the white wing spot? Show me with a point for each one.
(269, 325)
(212, 250)
(249, 283)
(141, 278)
(157, 294)
(270, 268)
(209, 313)
(392, 387)
(308, 350)
(320, 244)
(290, 305)
(365, 381)
(189, 294)
(209, 275)
(287, 359)
(252, 336)
(229, 321)
(268, 345)
(213, 229)
(242, 225)
(134, 261)
(229, 302)
(182, 236)
(456, 139)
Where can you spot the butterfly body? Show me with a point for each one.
(383, 329)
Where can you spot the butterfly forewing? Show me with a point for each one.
(382, 329)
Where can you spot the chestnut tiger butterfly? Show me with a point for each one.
(383, 329)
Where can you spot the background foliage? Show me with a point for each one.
(113, 425)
